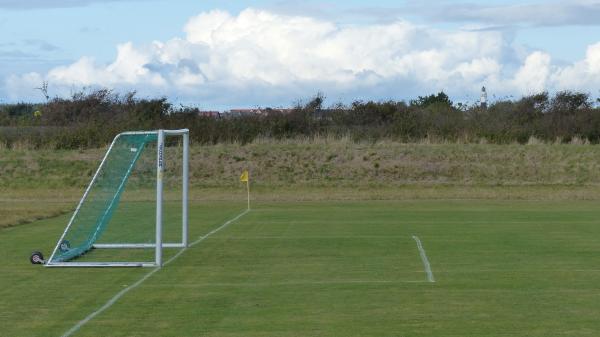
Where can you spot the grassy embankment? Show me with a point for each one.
(44, 183)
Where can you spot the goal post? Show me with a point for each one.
(128, 158)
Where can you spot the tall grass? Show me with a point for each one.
(336, 162)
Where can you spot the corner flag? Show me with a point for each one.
(245, 177)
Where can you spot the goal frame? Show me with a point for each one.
(159, 244)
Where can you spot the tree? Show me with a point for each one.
(425, 101)
(569, 101)
(44, 89)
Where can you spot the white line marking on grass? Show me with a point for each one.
(120, 294)
(424, 259)
(294, 283)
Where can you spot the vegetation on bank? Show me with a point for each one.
(88, 120)
(43, 183)
(331, 163)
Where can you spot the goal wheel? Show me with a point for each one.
(64, 246)
(37, 258)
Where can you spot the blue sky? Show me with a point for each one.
(223, 54)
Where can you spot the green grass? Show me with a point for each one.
(332, 268)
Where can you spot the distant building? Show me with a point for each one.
(234, 113)
(209, 113)
(256, 112)
(483, 99)
(274, 111)
(243, 112)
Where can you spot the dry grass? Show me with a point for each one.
(332, 163)
(335, 162)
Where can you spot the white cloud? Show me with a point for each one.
(259, 57)
(532, 77)
(24, 83)
(582, 75)
(128, 69)
(592, 59)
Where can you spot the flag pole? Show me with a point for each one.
(248, 188)
(245, 177)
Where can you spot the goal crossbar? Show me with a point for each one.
(159, 244)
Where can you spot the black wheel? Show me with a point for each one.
(64, 246)
(36, 258)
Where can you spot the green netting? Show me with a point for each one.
(103, 199)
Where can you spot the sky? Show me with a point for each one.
(230, 54)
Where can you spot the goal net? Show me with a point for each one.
(135, 205)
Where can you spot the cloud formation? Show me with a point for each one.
(547, 13)
(258, 57)
(578, 12)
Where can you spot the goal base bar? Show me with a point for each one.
(135, 245)
(101, 264)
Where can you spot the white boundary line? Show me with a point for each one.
(120, 294)
(424, 259)
(295, 283)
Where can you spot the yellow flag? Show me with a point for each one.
(244, 176)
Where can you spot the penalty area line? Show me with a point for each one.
(120, 294)
(426, 264)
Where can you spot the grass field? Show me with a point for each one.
(331, 268)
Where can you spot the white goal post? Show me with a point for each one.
(63, 253)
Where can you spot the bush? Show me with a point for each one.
(92, 119)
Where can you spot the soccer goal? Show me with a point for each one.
(135, 205)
